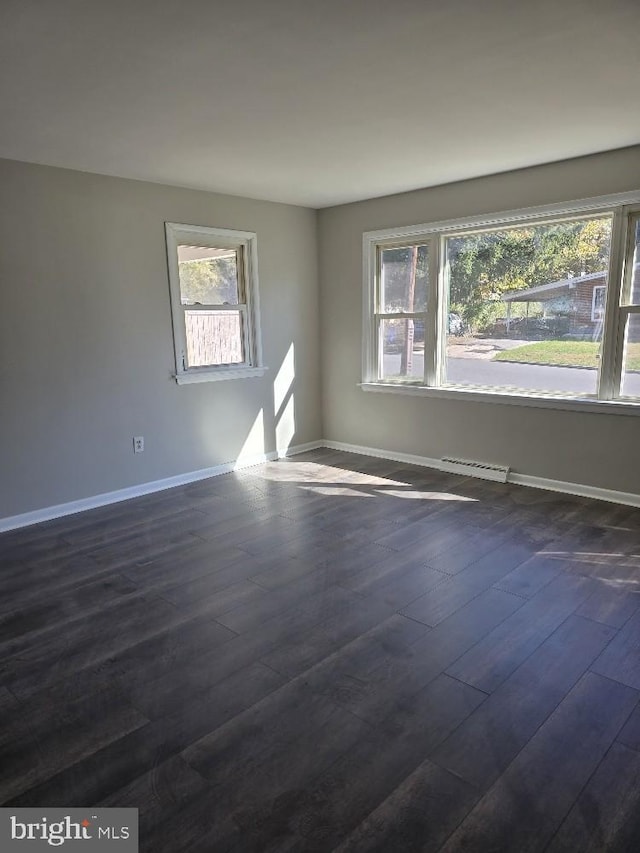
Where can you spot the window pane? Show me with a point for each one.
(208, 276)
(402, 350)
(635, 270)
(631, 364)
(214, 337)
(404, 279)
(526, 306)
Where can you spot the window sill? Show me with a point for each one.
(219, 374)
(478, 395)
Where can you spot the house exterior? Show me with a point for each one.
(573, 307)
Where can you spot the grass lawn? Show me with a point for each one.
(565, 353)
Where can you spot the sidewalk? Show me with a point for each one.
(484, 348)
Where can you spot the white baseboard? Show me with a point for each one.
(26, 519)
(578, 489)
(297, 449)
(409, 458)
(48, 513)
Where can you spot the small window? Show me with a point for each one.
(214, 302)
(404, 282)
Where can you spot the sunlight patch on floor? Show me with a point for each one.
(414, 495)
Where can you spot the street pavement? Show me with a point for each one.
(506, 374)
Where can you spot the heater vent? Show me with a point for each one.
(470, 467)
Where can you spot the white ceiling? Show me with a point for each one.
(315, 102)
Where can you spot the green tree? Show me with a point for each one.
(397, 265)
(211, 281)
(482, 267)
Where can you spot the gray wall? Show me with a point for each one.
(86, 352)
(592, 449)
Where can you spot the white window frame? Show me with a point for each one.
(627, 307)
(624, 209)
(245, 243)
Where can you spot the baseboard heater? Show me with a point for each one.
(471, 468)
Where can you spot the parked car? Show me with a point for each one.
(455, 326)
(395, 334)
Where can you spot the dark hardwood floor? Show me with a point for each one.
(330, 652)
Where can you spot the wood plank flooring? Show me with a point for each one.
(330, 652)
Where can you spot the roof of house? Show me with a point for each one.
(544, 292)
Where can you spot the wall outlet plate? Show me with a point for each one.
(138, 443)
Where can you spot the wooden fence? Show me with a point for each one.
(214, 337)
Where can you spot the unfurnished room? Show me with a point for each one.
(319, 432)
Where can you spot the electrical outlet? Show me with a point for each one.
(138, 443)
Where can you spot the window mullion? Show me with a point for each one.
(431, 359)
(610, 373)
(443, 308)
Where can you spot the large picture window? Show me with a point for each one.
(214, 302)
(539, 304)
